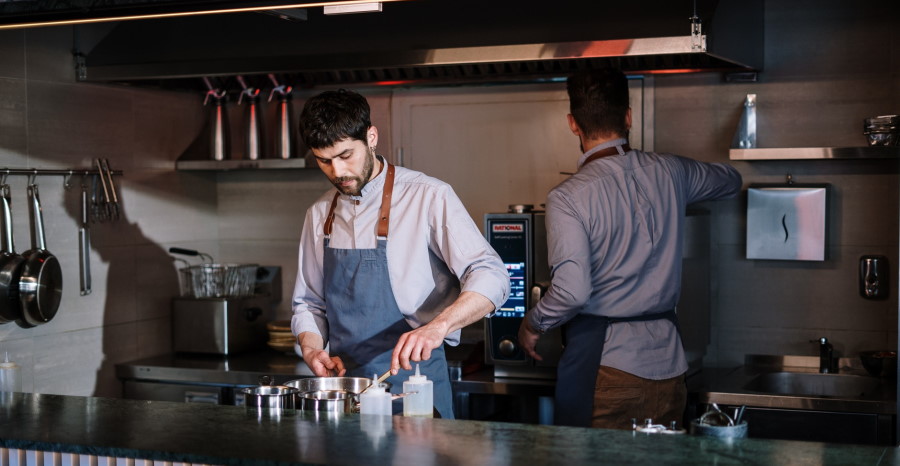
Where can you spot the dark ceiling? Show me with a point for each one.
(383, 47)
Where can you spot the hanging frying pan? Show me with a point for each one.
(40, 287)
(10, 263)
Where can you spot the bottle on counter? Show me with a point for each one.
(10, 376)
(375, 400)
(420, 404)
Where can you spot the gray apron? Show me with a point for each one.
(584, 337)
(364, 320)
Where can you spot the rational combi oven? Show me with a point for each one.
(520, 238)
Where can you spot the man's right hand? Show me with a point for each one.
(323, 365)
(528, 339)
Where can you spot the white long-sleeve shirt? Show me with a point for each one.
(434, 250)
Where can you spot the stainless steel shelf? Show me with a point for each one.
(225, 165)
(813, 153)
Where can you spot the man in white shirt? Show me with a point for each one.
(391, 264)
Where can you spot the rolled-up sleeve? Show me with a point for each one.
(467, 253)
(309, 294)
(569, 251)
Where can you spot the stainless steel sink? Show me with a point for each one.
(816, 384)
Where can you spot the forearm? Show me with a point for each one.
(310, 342)
(468, 308)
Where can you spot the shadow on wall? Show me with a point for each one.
(114, 241)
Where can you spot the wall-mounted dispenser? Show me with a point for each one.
(786, 222)
(873, 277)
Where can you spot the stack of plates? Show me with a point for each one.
(280, 336)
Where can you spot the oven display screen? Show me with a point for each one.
(509, 239)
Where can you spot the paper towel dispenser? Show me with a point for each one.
(786, 222)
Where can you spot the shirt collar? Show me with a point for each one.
(375, 184)
(599, 147)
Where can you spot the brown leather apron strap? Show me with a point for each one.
(329, 221)
(614, 150)
(384, 215)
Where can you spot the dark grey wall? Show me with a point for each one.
(828, 65)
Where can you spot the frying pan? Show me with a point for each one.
(40, 286)
(10, 263)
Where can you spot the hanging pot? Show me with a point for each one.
(40, 286)
(10, 263)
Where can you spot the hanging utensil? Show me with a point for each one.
(114, 198)
(106, 209)
(84, 242)
(10, 264)
(40, 287)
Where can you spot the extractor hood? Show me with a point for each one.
(422, 42)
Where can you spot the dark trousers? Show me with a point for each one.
(620, 397)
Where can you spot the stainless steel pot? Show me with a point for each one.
(332, 401)
(270, 399)
(336, 395)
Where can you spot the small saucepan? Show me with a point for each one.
(270, 400)
(10, 263)
(40, 286)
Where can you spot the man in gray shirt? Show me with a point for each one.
(614, 232)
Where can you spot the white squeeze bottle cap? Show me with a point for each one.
(10, 377)
(419, 404)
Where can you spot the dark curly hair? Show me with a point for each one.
(598, 100)
(332, 116)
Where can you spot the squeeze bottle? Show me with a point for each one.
(419, 404)
(10, 376)
(375, 400)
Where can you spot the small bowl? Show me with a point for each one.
(883, 130)
(880, 363)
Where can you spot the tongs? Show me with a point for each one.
(110, 198)
(716, 417)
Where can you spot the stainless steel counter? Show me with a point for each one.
(245, 369)
(238, 369)
(738, 386)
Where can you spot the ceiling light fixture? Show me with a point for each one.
(363, 5)
(371, 7)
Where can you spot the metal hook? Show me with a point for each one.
(32, 178)
(790, 179)
(67, 180)
(3, 177)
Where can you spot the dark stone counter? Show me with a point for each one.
(212, 434)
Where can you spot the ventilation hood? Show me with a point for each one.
(425, 42)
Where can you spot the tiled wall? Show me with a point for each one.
(828, 65)
(47, 120)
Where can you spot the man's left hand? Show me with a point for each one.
(416, 346)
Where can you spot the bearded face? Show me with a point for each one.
(348, 164)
